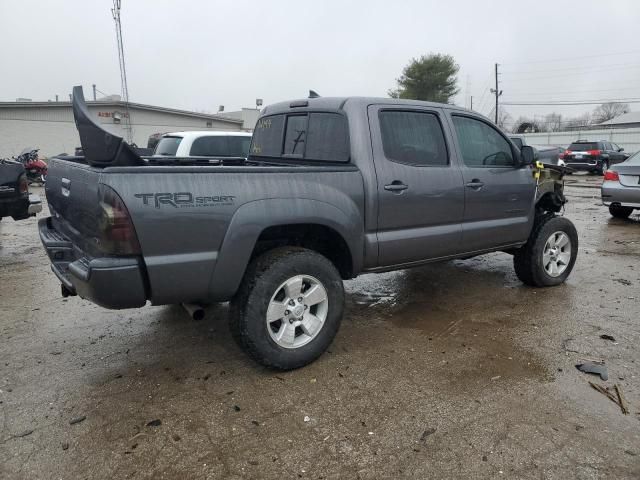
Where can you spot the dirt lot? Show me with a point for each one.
(446, 371)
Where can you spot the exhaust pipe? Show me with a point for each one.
(195, 311)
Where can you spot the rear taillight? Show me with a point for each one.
(594, 153)
(612, 176)
(566, 152)
(23, 184)
(117, 233)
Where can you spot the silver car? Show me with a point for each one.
(621, 187)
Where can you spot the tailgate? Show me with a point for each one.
(9, 175)
(72, 194)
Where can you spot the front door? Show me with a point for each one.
(499, 194)
(420, 192)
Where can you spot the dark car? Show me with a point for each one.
(593, 157)
(15, 200)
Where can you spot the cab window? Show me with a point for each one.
(481, 145)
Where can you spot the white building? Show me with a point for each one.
(249, 117)
(49, 126)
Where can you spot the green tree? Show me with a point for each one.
(431, 77)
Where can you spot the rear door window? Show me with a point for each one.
(481, 145)
(413, 138)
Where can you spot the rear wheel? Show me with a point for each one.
(288, 308)
(618, 211)
(550, 254)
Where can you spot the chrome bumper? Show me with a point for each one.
(35, 204)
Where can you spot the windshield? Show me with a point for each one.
(221, 146)
(583, 147)
(167, 146)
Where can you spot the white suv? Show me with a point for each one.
(220, 144)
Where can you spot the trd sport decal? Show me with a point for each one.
(184, 200)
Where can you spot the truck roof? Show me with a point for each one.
(206, 133)
(337, 103)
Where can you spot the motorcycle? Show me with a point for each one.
(35, 168)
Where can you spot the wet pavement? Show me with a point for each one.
(445, 371)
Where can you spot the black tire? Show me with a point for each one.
(618, 211)
(604, 166)
(528, 260)
(263, 277)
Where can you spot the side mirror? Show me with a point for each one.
(621, 149)
(527, 155)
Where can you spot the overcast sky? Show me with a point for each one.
(198, 54)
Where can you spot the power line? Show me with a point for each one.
(616, 65)
(574, 74)
(573, 102)
(555, 92)
(575, 58)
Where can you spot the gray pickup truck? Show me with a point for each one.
(333, 187)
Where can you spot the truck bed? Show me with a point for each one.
(182, 217)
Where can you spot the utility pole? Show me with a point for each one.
(497, 93)
(94, 92)
(471, 106)
(115, 12)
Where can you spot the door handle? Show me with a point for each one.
(396, 186)
(476, 184)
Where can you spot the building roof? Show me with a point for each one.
(121, 105)
(630, 117)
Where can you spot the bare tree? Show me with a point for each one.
(608, 111)
(579, 121)
(553, 122)
(505, 120)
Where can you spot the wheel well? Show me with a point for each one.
(320, 238)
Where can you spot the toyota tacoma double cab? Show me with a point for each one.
(332, 188)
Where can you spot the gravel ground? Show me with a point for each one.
(446, 371)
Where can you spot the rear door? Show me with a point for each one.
(499, 194)
(616, 155)
(420, 192)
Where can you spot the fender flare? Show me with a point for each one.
(252, 218)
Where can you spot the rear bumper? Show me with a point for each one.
(21, 207)
(614, 192)
(111, 282)
(583, 166)
(35, 204)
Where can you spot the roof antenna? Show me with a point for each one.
(313, 94)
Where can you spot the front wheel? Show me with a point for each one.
(288, 308)
(550, 253)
